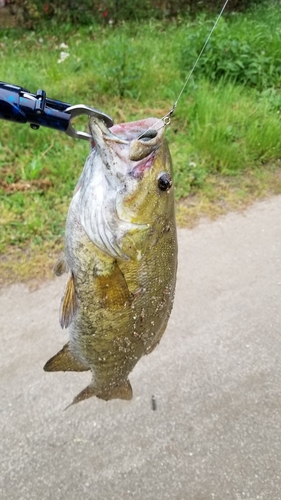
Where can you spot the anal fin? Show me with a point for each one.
(68, 304)
(64, 361)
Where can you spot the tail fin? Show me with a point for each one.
(123, 391)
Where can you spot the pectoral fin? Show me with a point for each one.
(60, 266)
(68, 304)
(64, 361)
(113, 290)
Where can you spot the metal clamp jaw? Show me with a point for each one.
(81, 109)
(19, 105)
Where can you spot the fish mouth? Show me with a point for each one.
(119, 159)
(133, 143)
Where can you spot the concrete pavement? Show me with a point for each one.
(216, 380)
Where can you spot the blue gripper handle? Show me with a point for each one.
(20, 106)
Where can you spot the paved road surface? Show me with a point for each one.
(215, 433)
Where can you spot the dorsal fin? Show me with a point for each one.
(68, 305)
(64, 361)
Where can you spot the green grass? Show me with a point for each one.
(243, 49)
(224, 134)
(228, 131)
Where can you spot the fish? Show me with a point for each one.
(120, 254)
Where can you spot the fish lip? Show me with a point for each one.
(137, 171)
(100, 132)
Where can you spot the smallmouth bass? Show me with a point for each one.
(121, 256)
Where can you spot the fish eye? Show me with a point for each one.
(164, 181)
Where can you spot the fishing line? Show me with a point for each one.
(166, 120)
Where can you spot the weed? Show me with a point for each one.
(244, 50)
